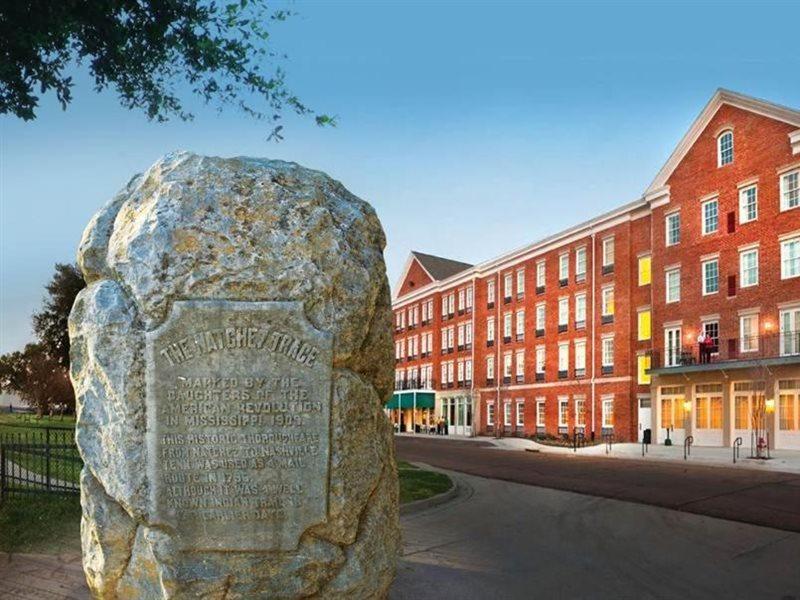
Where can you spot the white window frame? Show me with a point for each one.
(563, 266)
(667, 273)
(580, 410)
(490, 413)
(785, 272)
(508, 361)
(746, 340)
(541, 316)
(507, 329)
(606, 300)
(668, 220)
(506, 413)
(563, 356)
(490, 291)
(519, 362)
(703, 217)
(540, 414)
(607, 351)
(580, 308)
(490, 367)
(490, 329)
(705, 280)
(520, 282)
(580, 354)
(520, 322)
(744, 204)
(508, 283)
(563, 310)
(795, 191)
(520, 413)
(721, 158)
(541, 358)
(541, 274)
(608, 255)
(607, 409)
(563, 415)
(580, 261)
(743, 270)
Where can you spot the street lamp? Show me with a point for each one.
(769, 405)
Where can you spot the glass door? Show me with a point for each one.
(790, 332)
(672, 346)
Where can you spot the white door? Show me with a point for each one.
(645, 419)
(672, 346)
(790, 332)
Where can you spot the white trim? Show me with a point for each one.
(747, 182)
(794, 140)
(787, 168)
(720, 97)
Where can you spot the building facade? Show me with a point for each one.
(598, 329)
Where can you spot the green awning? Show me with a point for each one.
(407, 399)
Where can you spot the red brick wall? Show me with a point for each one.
(761, 146)
(416, 278)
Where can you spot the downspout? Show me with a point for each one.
(594, 355)
(497, 338)
(473, 403)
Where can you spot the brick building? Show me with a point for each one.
(597, 329)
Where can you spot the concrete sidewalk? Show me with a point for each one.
(785, 461)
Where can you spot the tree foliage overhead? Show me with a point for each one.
(146, 50)
(50, 324)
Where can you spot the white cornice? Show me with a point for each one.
(754, 105)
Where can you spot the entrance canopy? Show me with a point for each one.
(410, 399)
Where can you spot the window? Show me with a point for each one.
(468, 335)
(673, 222)
(444, 373)
(580, 358)
(540, 412)
(507, 413)
(710, 216)
(507, 326)
(710, 276)
(580, 264)
(490, 291)
(563, 412)
(540, 356)
(490, 367)
(786, 412)
(490, 413)
(790, 190)
(607, 352)
(725, 149)
(748, 267)
(469, 298)
(540, 274)
(468, 370)
(607, 301)
(608, 412)
(708, 412)
(643, 364)
(490, 329)
(540, 317)
(450, 372)
(563, 311)
(790, 258)
(580, 411)
(520, 413)
(711, 329)
(563, 358)
(608, 252)
(563, 267)
(643, 318)
(748, 332)
(520, 364)
(451, 300)
(645, 263)
(507, 365)
(748, 204)
(580, 310)
(507, 283)
(461, 372)
(520, 325)
(462, 297)
(673, 285)
(790, 331)
(520, 283)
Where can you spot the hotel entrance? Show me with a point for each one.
(674, 414)
(457, 412)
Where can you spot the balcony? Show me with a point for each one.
(761, 350)
(415, 384)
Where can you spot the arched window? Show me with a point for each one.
(725, 148)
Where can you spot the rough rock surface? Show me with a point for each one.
(245, 229)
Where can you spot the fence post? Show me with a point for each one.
(47, 455)
(2, 473)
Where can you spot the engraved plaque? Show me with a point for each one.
(238, 424)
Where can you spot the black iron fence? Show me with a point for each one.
(729, 349)
(38, 460)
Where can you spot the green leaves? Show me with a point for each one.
(147, 50)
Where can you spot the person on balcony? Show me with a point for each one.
(701, 347)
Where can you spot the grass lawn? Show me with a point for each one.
(20, 428)
(418, 484)
(40, 523)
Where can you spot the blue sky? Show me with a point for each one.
(473, 128)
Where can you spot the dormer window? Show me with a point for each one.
(725, 148)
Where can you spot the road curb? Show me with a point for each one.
(437, 500)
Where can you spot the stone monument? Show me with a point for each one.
(231, 356)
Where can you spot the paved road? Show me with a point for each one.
(771, 499)
(502, 540)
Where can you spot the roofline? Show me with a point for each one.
(523, 253)
(720, 97)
